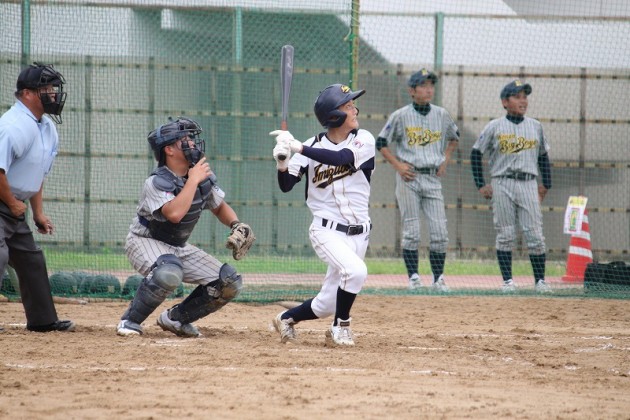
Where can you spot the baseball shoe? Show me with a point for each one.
(415, 282)
(341, 334)
(127, 328)
(542, 287)
(55, 326)
(440, 286)
(176, 327)
(285, 328)
(508, 286)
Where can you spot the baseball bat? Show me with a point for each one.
(286, 77)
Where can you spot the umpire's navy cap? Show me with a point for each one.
(514, 88)
(420, 76)
(38, 75)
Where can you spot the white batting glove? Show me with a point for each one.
(282, 150)
(283, 136)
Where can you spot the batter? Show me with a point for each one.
(337, 165)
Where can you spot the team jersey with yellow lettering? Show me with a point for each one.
(338, 193)
(420, 139)
(512, 147)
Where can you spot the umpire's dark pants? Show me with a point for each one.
(19, 250)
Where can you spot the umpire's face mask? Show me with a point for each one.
(193, 149)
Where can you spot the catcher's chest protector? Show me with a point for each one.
(177, 234)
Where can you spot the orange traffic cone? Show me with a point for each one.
(580, 254)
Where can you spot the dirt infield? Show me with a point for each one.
(416, 357)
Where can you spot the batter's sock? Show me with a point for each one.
(302, 312)
(505, 264)
(410, 256)
(538, 266)
(345, 300)
(437, 263)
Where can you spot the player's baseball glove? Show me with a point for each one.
(240, 240)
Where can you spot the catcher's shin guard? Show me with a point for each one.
(30, 267)
(155, 288)
(206, 299)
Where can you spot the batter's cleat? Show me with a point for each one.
(127, 328)
(440, 286)
(508, 286)
(341, 334)
(285, 328)
(542, 287)
(67, 326)
(176, 327)
(415, 282)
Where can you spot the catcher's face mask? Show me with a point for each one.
(194, 149)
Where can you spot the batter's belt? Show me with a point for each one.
(349, 230)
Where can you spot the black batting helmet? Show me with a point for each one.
(38, 76)
(329, 100)
(173, 131)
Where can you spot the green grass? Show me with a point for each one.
(106, 262)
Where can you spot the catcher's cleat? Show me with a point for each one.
(508, 286)
(341, 334)
(543, 287)
(440, 286)
(127, 328)
(415, 282)
(285, 328)
(176, 327)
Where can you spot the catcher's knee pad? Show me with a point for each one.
(166, 276)
(232, 282)
(209, 298)
(168, 272)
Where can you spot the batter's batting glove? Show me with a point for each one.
(282, 150)
(285, 137)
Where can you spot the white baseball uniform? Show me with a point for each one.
(338, 197)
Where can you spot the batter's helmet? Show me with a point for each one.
(514, 88)
(329, 100)
(38, 76)
(176, 130)
(420, 76)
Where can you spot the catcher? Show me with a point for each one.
(170, 205)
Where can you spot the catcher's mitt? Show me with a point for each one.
(240, 240)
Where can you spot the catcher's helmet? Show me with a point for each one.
(180, 129)
(37, 76)
(329, 100)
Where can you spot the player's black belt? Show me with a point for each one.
(426, 171)
(519, 176)
(349, 230)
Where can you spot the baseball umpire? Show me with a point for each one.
(337, 165)
(424, 136)
(28, 146)
(517, 150)
(170, 205)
